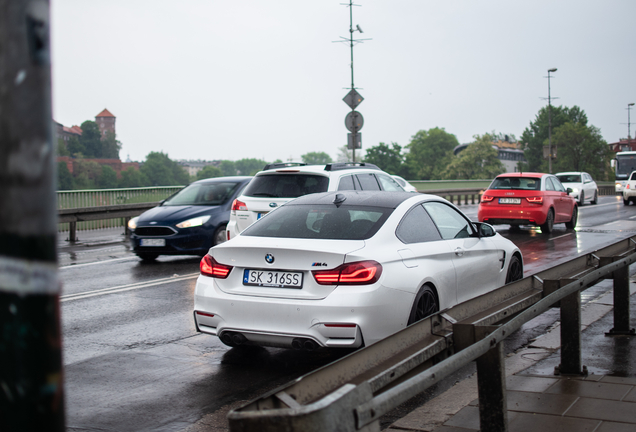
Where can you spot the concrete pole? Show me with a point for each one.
(31, 378)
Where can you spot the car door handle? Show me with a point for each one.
(459, 251)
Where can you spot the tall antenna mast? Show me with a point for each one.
(353, 120)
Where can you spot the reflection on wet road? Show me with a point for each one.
(134, 361)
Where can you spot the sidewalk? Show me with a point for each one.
(538, 400)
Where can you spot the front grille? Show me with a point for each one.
(155, 231)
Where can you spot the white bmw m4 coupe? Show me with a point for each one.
(347, 269)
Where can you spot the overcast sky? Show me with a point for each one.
(229, 79)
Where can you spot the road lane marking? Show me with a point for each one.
(129, 287)
(93, 263)
(561, 236)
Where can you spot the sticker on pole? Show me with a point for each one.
(21, 276)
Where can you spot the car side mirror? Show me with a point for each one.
(569, 190)
(485, 230)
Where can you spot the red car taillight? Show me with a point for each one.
(627, 186)
(535, 200)
(357, 273)
(209, 267)
(487, 198)
(238, 205)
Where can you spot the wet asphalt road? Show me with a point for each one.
(134, 362)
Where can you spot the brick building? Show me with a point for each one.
(106, 122)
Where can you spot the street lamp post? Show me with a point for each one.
(550, 124)
(629, 135)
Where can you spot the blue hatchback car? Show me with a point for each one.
(189, 222)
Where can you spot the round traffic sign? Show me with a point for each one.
(354, 121)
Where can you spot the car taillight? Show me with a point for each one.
(535, 200)
(209, 267)
(487, 198)
(357, 273)
(627, 186)
(238, 205)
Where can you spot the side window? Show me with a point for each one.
(368, 181)
(549, 186)
(417, 227)
(633, 177)
(347, 183)
(388, 184)
(557, 185)
(450, 223)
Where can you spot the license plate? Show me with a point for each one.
(275, 279)
(260, 215)
(152, 242)
(509, 200)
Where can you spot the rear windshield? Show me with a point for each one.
(286, 185)
(320, 222)
(569, 178)
(203, 194)
(517, 183)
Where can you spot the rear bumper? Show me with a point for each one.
(497, 214)
(343, 319)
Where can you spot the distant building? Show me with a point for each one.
(509, 153)
(106, 122)
(623, 144)
(67, 132)
(193, 167)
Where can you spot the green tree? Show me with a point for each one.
(581, 148)
(61, 148)
(107, 179)
(209, 171)
(110, 146)
(477, 161)
(91, 139)
(228, 168)
(429, 152)
(316, 158)
(249, 166)
(132, 177)
(64, 177)
(75, 147)
(535, 136)
(85, 174)
(389, 159)
(346, 155)
(162, 171)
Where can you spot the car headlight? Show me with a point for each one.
(575, 190)
(194, 222)
(132, 224)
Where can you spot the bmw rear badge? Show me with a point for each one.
(272, 205)
(269, 258)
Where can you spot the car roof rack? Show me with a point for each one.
(283, 165)
(349, 165)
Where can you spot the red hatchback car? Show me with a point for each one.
(528, 199)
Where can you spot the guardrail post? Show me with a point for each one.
(621, 303)
(491, 385)
(570, 333)
(72, 232)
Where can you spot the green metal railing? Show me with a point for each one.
(109, 197)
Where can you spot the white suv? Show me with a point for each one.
(282, 182)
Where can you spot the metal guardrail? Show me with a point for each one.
(354, 392)
(82, 199)
(123, 211)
